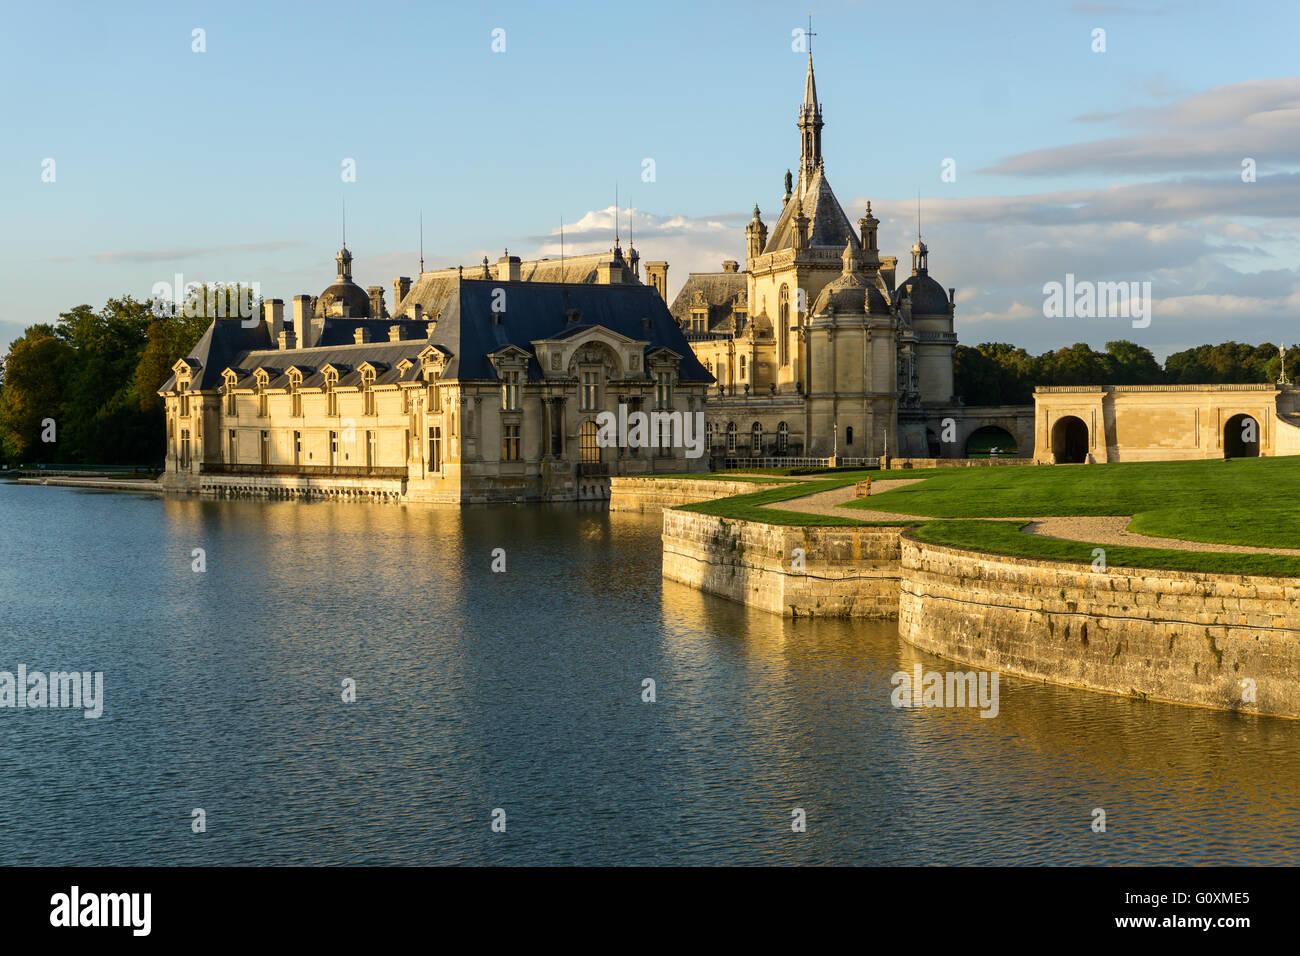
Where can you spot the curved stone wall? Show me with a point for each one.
(656, 494)
(1215, 640)
(842, 572)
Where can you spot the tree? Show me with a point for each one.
(35, 369)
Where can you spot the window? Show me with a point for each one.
(434, 401)
(231, 408)
(510, 443)
(295, 398)
(756, 439)
(731, 437)
(372, 449)
(331, 398)
(510, 391)
(783, 335)
(184, 389)
(665, 437)
(185, 448)
(848, 435)
(406, 401)
(782, 438)
(590, 391)
(334, 448)
(742, 366)
(297, 448)
(368, 391)
(435, 448)
(266, 448)
(233, 448)
(261, 396)
(587, 445)
(709, 435)
(663, 390)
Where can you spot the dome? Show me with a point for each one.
(928, 296)
(849, 292)
(353, 295)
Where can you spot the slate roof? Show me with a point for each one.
(467, 330)
(828, 227)
(928, 296)
(719, 290)
(433, 290)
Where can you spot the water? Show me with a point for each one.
(522, 691)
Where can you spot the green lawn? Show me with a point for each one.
(748, 507)
(1252, 501)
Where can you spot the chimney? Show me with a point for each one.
(302, 320)
(376, 293)
(394, 333)
(401, 286)
(657, 273)
(508, 268)
(417, 312)
(273, 316)
(361, 336)
(431, 327)
(730, 265)
(287, 341)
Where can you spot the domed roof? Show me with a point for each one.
(850, 292)
(344, 292)
(928, 296)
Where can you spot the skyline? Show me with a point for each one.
(1115, 166)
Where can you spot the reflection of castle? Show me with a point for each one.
(815, 348)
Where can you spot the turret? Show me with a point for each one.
(756, 235)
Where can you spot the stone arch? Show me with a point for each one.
(981, 442)
(1070, 440)
(1241, 436)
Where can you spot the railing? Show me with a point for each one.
(39, 469)
(302, 471)
(802, 462)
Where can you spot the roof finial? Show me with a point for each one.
(616, 214)
(345, 222)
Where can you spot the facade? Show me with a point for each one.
(816, 349)
(1103, 423)
(480, 389)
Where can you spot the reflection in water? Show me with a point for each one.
(523, 690)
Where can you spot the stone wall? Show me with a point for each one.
(847, 572)
(297, 486)
(1188, 638)
(657, 494)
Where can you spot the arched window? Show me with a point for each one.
(709, 435)
(848, 435)
(756, 439)
(782, 438)
(783, 336)
(731, 437)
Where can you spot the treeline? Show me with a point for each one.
(999, 374)
(90, 382)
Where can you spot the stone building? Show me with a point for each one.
(816, 348)
(482, 387)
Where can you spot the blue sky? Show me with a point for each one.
(225, 165)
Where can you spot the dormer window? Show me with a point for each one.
(368, 391)
(183, 387)
(295, 396)
(510, 380)
(663, 390)
(262, 378)
(331, 397)
(232, 408)
(590, 391)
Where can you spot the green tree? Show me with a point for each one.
(35, 369)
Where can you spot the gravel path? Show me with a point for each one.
(1089, 529)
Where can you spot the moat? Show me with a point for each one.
(522, 690)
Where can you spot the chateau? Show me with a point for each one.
(484, 388)
(816, 349)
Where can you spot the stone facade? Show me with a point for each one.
(1165, 422)
(652, 495)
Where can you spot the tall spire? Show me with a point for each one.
(810, 119)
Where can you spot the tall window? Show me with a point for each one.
(783, 341)
(587, 445)
(848, 435)
(266, 448)
(756, 439)
(295, 397)
(782, 438)
(368, 392)
(334, 448)
(665, 437)
(231, 408)
(331, 397)
(731, 437)
(261, 397)
(185, 448)
(234, 448)
(742, 367)
(510, 443)
(663, 390)
(434, 401)
(406, 401)
(372, 450)
(510, 391)
(184, 389)
(297, 448)
(435, 448)
(590, 391)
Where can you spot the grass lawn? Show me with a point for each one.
(749, 507)
(1251, 501)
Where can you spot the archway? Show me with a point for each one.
(1070, 440)
(1241, 437)
(982, 442)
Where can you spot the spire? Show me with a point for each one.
(810, 119)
